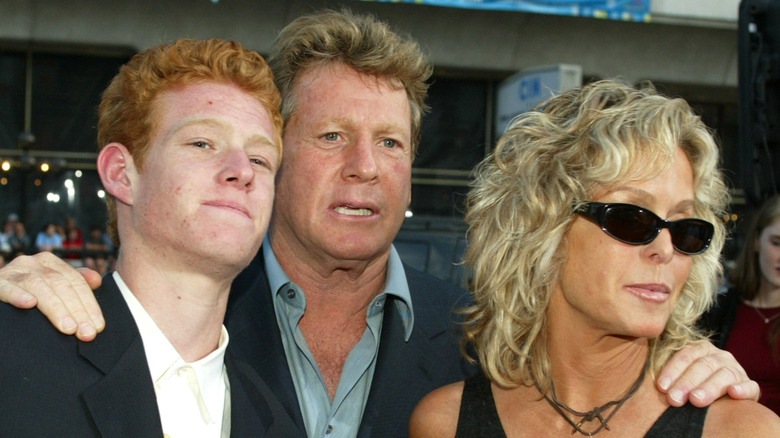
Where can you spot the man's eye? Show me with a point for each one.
(200, 144)
(331, 136)
(389, 143)
(259, 162)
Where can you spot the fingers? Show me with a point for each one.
(60, 292)
(745, 391)
(14, 295)
(701, 374)
(92, 277)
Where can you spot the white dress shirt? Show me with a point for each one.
(193, 398)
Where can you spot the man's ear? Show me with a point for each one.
(117, 171)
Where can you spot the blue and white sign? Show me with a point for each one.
(521, 91)
(626, 10)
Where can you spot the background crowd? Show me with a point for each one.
(92, 248)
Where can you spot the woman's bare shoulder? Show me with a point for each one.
(437, 413)
(736, 418)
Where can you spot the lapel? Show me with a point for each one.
(249, 414)
(255, 410)
(406, 371)
(255, 337)
(123, 402)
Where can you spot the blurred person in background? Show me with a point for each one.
(72, 246)
(7, 232)
(98, 263)
(48, 239)
(746, 320)
(19, 239)
(98, 241)
(71, 229)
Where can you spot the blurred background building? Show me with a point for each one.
(57, 56)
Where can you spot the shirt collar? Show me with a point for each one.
(395, 283)
(161, 354)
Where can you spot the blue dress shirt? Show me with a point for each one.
(342, 416)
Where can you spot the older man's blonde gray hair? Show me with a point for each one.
(361, 42)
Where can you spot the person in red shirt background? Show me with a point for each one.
(746, 320)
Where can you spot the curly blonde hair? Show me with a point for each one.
(521, 206)
(126, 112)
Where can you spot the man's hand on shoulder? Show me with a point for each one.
(60, 292)
(702, 373)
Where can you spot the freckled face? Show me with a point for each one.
(617, 288)
(345, 182)
(769, 256)
(205, 193)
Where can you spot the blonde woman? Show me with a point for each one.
(595, 241)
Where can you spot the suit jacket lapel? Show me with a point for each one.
(255, 337)
(405, 370)
(255, 410)
(123, 403)
(249, 413)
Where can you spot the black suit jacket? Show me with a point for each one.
(53, 385)
(405, 371)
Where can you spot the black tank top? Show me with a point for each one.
(479, 417)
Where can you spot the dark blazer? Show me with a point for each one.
(53, 385)
(405, 371)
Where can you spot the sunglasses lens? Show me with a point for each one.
(691, 236)
(637, 226)
(630, 224)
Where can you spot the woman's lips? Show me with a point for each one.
(657, 293)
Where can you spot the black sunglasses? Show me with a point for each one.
(635, 225)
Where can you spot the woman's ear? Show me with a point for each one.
(117, 171)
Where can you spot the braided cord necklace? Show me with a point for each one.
(595, 413)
